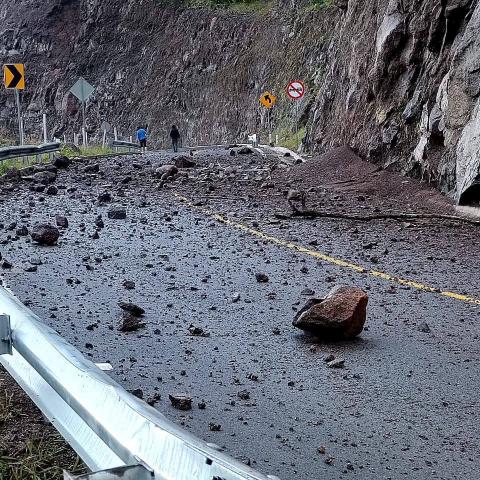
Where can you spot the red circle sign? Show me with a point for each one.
(296, 89)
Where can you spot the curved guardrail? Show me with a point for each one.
(7, 153)
(107, 426)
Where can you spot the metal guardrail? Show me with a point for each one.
(7, 153)
(107, 426)
(123, 144)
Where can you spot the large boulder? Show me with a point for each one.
(45, 234)
(340, 315)
(61, 162)
(184, 162)
(44, 178)
(166, 171)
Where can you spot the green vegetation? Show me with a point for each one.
(240, 6)
(288, 138)
(69, 150)
(42, 459)
(322, 3)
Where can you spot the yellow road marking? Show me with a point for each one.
(327, 258)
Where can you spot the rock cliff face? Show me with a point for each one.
(398, 80)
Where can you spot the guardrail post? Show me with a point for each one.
(5, 335)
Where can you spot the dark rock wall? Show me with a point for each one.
(397, 80)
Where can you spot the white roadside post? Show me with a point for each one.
(45, 133)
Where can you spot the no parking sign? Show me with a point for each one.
(296, 89)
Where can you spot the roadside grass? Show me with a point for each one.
(288, 139)
(42, 459)
(239, 6)
(23, 162)
(91, 151)
(8, 411)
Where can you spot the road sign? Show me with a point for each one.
(82, 89)
(14, 76)
(106, 127)
(268, 100)
(296, 89)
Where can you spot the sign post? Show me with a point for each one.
(82, 90)
(268, 100)
(14, 79)
(296, 91)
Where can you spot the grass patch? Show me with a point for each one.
(7, 408)
(238, 6)
(288, 139)
(69, 150)
(23, 162)
(43, 459)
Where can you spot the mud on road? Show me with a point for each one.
(405, 404)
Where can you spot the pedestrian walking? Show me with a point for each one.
(175, 136)
(142, 138)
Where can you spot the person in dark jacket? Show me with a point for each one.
(175, 136)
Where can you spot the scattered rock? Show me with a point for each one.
(340, 315)
(99, 223)
(138, 392)
(244, 395)
(61, 162)
(105, 197)
(129, 285)
(94, 168)
(424, 328)
(261, 277)
(236, 297)
(337, 363)
(130, 323)
(245, 151)
(61, 221)
(214, 427)
(181, 402)
(6, 264)
(117, 213)
(45, 234)
(51, 190)
(22, 231)
(131, 308)
(166, 171)
(44, 178)
(197, 331)
(184, 162)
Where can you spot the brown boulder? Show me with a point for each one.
(184, 162)
(45, 234)
(340, 315)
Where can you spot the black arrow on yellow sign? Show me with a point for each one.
(14, 76)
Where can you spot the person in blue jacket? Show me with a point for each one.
(142, 138)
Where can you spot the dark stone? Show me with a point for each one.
(131, 308)
(261, 277)
(117, 213)
(245, 151)
(184, 162)
(45, 234)
(130, 323)
(340, 315)
(51, 190)
(181, 402)
(62, 162)
(105, 197)
(61, 221)
(22, 231)
(44, 178)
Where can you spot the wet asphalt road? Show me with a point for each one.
(406, 404)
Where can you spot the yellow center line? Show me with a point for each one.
(327, 258)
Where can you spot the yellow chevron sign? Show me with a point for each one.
(14, 76)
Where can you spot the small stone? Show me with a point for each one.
(321, 450)
(424, 328)
(338, 363)
(51, 190)
(244, 395)
(61, 221)
(129, 284)
(130, 323)
(236, 297)
(261, 277)
(138, 392)
(214, 427)
(181, 402)
(131, 308)
(117, 213)
(329, 358)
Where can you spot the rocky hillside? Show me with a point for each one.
(397, 80)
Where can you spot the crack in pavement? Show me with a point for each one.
(327, 258)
